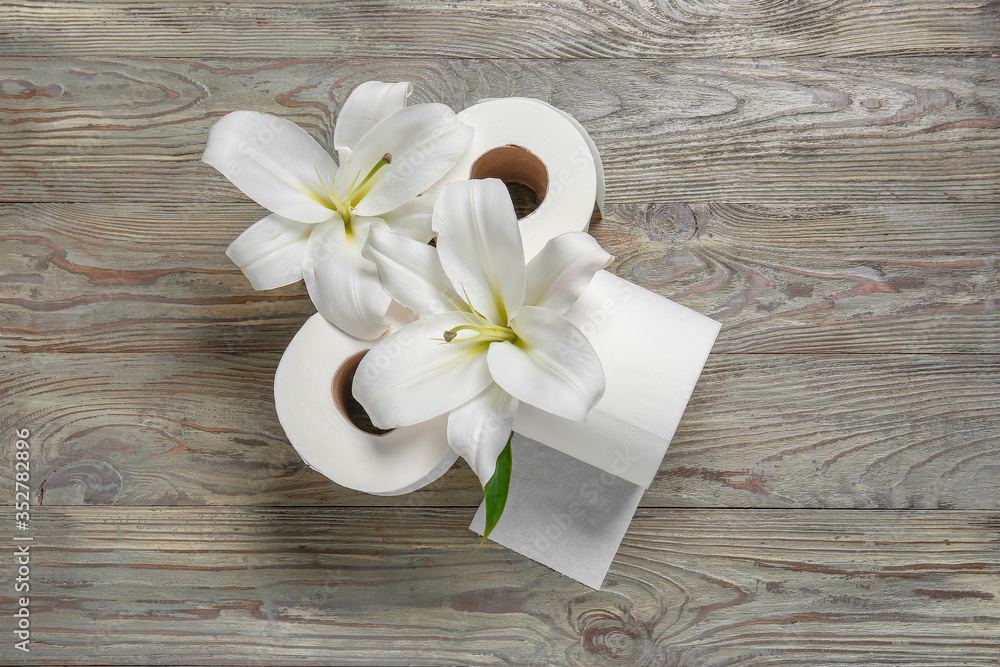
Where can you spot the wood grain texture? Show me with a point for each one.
(821, 278)
(480, 29)
(273, 586)
(858, 367)
(130, 278)
(848, 431)
(670, 130)
(808, 278)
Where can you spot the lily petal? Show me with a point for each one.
(367, 104)
(562, 271)
(479, 243)
(412, 375)
(478, 431)
(270, 251)
(552, 367)
(274, 162)
(413, 218)
(343, 285)
(411, 272)
(423, 141)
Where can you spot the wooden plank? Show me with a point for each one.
(317, 586)
(480, 29)
(821, 278)
(136, 277)
(849, 431)
(685, 130)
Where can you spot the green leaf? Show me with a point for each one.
(496, 489)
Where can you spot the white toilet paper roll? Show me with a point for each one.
(652, 351)
(599, 165)
(311, 389)
(527, 141)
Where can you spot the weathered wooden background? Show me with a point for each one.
(821, 176)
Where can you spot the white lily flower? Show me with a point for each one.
(389, 154)
(491, 331)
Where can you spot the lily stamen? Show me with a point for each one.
(333, 200)
(484, 334)
(369, 181)
(344, 206)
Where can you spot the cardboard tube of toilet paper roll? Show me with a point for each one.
(312, 389)
(598, 164)
(652, 351)
(530, 142)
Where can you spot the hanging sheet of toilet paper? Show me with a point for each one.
(563, 512)
(572, 498)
